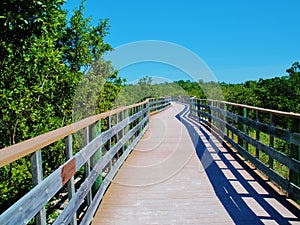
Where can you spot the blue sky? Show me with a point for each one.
(239, 40)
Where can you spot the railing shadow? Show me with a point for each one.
(245, 205)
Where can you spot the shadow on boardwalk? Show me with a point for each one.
(247, 199)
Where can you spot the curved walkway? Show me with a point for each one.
(181, 174)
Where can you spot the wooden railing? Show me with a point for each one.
(269, 139)
(125, 127)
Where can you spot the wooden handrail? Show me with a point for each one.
(233, 124)
(125, 132)
(19, 150)
(264, 110)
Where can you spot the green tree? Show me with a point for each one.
(42, 55)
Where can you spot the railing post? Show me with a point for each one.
(96, 130)
(222, 117)
(232, 123)
(71, 183)
(242, 127)
(295, 153)
(245, 128)
(190, 102)
(37, 177)
(123, 130)
(209, 103)
(88, 163)
(197, 102)
(257, 134)
(109, 142)
(271, 143)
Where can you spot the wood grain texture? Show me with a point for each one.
(164, 182)
(17, 151)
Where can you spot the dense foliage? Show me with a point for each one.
(279, 93)
(43, 55)
(144, 88)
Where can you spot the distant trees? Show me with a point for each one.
(280, 93)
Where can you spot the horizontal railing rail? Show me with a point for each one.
(101, 156)
(269, 139)
(159, 104)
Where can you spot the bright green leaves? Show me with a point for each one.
(42, 56)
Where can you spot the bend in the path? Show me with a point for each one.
(180, 173)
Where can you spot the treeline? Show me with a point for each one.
(279, 93)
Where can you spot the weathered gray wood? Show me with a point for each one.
(96, 131)
(71, 182)
(99, 195)
(277, 178)
(279, 156)
(17, 151)
(257, 136)
(268, 129)
(293, 137)
(74, 204)
(295, 153)
(37, 178)
(88, 163)
(271, 143)
(268, 111)
(26, 208)
(35, 200)
(109, 143)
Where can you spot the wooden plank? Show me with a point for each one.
(37, 178)
(167, 201)
(71, 182)
(273, 175)
(277, 155)
(291, 163)
(272, 130)
(37, 198)
(27, 207)
(68, 170)
(67, 214)
(88, 217)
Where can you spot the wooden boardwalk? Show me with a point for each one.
(181, 174)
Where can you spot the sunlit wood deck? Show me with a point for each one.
(181, 174)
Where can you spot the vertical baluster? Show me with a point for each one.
(109, 142)
(95, 130)
(197, 102)
(122, 117)
(37, 177)
(295, 153)
(88, 163)
(117, 120)
(222, 116)
(209, 103)
(232, 121)
(257, 133)
(71, 182)
(271, 143)
(226, 120)
(245, 128)
(241, 126)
